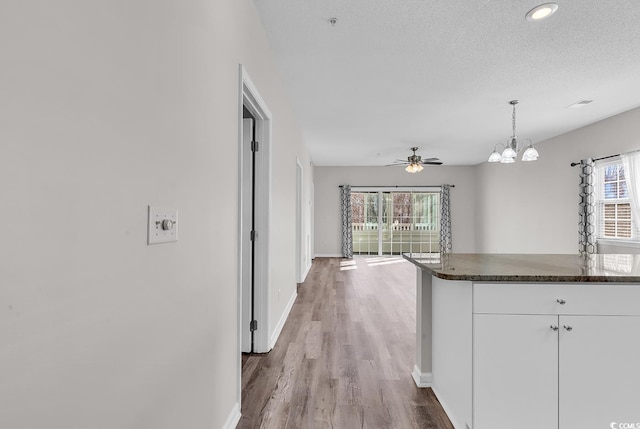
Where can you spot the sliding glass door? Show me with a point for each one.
(366, 219)
(392, 223)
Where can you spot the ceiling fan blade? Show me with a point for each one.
(415, 159)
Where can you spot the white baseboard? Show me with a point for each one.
(234, 417)
(283, 318)
(329, 255)
(422, 379)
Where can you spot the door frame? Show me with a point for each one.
(250, 98)
(301, 259)
(246, 249)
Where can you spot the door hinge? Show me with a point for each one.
(254, 146)
(254, 235)
(253, 325)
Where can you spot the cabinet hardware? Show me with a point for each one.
(561, 301)
(553, 327)
(568, 327)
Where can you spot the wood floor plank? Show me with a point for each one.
(349, 416)
(345, 354)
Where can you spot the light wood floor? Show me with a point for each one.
(345, 355)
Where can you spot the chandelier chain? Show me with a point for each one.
(513, 120)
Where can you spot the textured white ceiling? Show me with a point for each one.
(438, 74)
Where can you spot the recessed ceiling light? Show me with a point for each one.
(542, 11)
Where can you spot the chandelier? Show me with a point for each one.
(512, 149)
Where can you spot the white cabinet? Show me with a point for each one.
(555, 366)
(599, 371)
(515, 365)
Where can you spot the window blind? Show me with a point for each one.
(613, 207)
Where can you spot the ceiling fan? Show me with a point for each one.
(415, 162)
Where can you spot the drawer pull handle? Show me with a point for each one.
(561, 301)
(554, 328)
(568, 327)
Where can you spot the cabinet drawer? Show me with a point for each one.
(546, 298)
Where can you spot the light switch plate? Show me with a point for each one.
(162, 225)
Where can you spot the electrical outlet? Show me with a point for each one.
(162, 225)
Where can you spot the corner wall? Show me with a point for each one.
(533, 207)
(108, 107)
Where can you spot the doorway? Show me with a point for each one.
(248, 227)
(253, 231)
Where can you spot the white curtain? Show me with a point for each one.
(631, 163)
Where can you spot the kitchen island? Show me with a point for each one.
(530, 341)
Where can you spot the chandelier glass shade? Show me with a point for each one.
(512, 148)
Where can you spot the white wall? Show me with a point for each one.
(327, 199)
(533, 207)
(107, 107)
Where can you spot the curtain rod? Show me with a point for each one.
(573, 164)
(398, 186)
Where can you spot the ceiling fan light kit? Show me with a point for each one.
(414, 168)
(414, 162)
(511, 149)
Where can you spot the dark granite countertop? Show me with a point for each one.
(488, 267)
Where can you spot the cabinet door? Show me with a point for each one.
(515, 371)
(599, 371)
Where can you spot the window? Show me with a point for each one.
(613, 205)
(392, 223)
